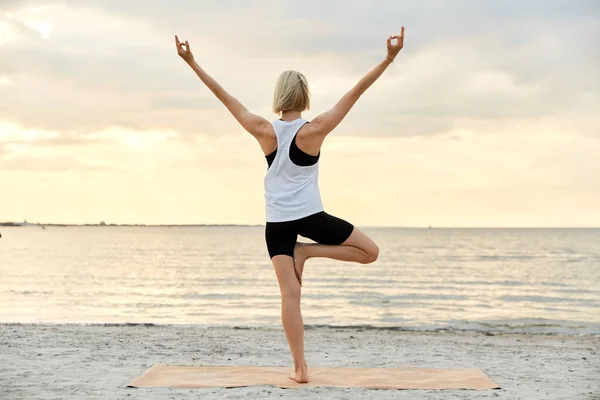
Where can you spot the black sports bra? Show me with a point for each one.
(297, 156)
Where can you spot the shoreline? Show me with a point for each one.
(593, 329)
(72, 361)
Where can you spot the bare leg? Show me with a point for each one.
(291, 315)
(357, 248)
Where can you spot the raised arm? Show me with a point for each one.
(254, 124)
(326, 122)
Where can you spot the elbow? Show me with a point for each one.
(220, 95)
(354, 94)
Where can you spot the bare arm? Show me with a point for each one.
(254, 124)
(326, 122)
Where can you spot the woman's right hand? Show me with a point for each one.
(184, 52)
(394, 49)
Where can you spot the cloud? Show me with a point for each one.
(506, 177)
(130, 75)
(487, 61)
(52, 164)
(13, 5)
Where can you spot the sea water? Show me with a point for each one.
(511, 280)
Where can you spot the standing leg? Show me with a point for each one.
(291, 316)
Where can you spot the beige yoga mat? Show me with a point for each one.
(175, 376)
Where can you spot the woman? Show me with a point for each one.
(293, 203)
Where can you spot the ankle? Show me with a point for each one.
(300, 366)
(304, 249)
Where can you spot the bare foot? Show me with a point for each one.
(301, 375)
(299, 260)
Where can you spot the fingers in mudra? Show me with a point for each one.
(183, 48)
(399, 39)
(394, 48)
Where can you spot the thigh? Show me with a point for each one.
(324, 228)
(360, 240)
(281, 238)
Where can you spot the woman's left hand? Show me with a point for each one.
(183, 49)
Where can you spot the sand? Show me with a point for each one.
(98, 361)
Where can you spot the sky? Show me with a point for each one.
(487, 118)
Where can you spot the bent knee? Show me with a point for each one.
(372, 254)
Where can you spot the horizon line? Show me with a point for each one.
(25, 224)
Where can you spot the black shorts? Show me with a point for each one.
(320, 227)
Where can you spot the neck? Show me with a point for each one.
(290, 115)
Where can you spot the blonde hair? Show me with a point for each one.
(291, 92)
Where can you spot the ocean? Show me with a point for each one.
(491, 280)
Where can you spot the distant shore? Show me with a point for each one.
(37, 224)
(16, 224)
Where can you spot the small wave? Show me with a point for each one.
(505, 257)
(532, 326)
(547, 299)
(26, 292)
(148, 324)
(117, 324)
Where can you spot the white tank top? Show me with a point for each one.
(291, 191)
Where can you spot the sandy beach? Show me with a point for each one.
(98, 361)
